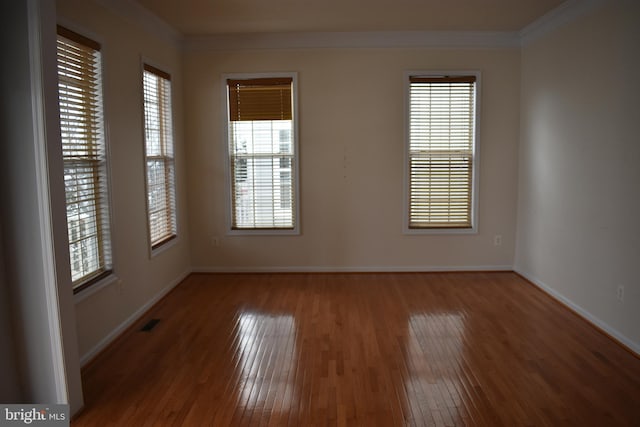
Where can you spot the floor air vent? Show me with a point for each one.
(150, 325)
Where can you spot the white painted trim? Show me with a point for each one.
(38, 104)
(634, 346)
(354, 269)
(371, 39)
(94, 288)
(556, 18)
(562, 15)
(115, 333)
(149, 21)
(154, 252)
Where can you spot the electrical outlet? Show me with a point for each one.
(497, 240)
(620, 293)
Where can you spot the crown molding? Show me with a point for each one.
(562, 15)
(366, 39)
(556, 18)
(141, 16)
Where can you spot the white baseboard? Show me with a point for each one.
(343, 269)
(130, 320)
(631, 345)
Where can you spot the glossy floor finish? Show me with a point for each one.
(474, 349)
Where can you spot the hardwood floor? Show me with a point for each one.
(475, 349)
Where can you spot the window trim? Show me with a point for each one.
(106, 275)
(476, 153)
(230, 231)
(170, 241)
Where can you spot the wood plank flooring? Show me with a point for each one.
(406, 349)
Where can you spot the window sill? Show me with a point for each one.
(263, 232)
(163, 246)
(439, 231)
(94, 288)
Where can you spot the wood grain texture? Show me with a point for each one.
(406, 349)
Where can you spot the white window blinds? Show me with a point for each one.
(441, 151)
(262, 153)
(84, 156)
(159, 157)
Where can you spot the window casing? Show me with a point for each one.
(441, 156)
(262, 153)
(159, 156)
(84, 157)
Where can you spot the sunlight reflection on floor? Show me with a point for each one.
(267, 349)
(434, 358)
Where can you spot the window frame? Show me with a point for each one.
(167, 242)
(475, 176)
(295, 230)
(105, 275)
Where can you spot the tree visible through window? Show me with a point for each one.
(441, 151)
(262, 153)
(84, 156)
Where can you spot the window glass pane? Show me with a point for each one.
(441, 150)
(159, 157)
(84, 156)
(262, 174)
(262, 153)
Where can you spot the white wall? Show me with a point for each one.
(351, 123)
(579, 173)
(102, 315)
(573, 91)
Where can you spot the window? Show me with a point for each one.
(159, 160)
(84, 157)
(441, 160)
(262, 153)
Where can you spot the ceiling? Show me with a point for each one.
(207, 17)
